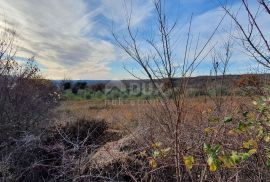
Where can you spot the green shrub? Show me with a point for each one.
(81, 85)
(99, 95)
(75, 90)
(218, 91)
(114, 94)
(88, 96)
(194, 92)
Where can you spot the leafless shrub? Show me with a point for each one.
(158, 64)
(57, 154)
(253, 36)
(24, 96)
(81, 133)
(220, 62)
(173, 138)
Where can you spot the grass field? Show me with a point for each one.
(127, 113)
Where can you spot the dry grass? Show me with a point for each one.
(126, 116)
(139, 128)
(115, 114)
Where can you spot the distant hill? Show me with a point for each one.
(197, 81)
(89, 82)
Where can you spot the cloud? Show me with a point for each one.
(205, 23)
(63, 35)
(72, 38)
(119, 10)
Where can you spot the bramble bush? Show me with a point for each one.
(233, 146)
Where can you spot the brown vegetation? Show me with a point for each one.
(221, 137)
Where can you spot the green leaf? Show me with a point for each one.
(226, 160)
(213, 167)
(228, 119)
(217, 149)
(143, 153)
(207, 130)
(212, 164)
(267, 138)
(206, 147)
(245, 156)
(156, 154)
(255, 103)
(250, 144)
(268, 163)
(252, 151)
(189, 161)
(245, 114)
(153, 163)
(242, 127)
(165, 152)
(213, 120)
(235, 157)
(156, 145)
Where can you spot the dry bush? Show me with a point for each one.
(251, 85)
(31, 161)
(204, 130)
(78, 133)
(98, 87)
(26, 100)
(25, 97)
(157, 62)
(58, 154)
(220, 143)
(177, 140)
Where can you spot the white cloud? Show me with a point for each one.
(62, 35)
(204, 25)
(119, 10)
(70, 37)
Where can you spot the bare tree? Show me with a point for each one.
(252, 35)
(159, 64)
(220, 62)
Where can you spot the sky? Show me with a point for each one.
(72, 39)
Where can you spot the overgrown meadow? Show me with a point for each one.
(167, 126)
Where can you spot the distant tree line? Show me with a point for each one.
(81, 85)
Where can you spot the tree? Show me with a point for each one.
(98, 87)
(75, 90)
(66, 85)
(81, 85)
(253, 37)
(157, 63)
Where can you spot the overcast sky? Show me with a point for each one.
(72, 38)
